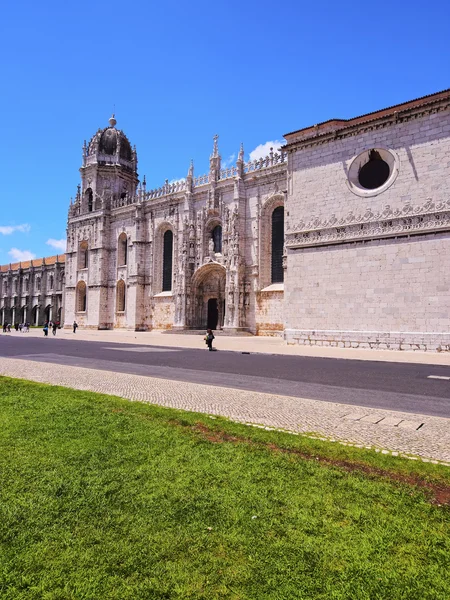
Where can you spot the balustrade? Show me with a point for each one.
(263, 163)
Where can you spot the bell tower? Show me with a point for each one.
(109, 169)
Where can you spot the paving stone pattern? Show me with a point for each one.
(387, 431)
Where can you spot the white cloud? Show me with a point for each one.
(57, 244)
(9, 229)
(228, 161)
(19, 255)
(263, 150)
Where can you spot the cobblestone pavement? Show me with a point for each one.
(388, 431)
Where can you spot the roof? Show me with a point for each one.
(35, 262)
(334, 124)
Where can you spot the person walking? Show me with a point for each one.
(54, 327)
(209, 339)
(45, 329)
(75, 325)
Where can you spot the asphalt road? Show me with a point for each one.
(395, 386)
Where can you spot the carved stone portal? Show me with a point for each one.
(208, 287)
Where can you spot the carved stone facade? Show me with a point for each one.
(364, 254)
(216, 243)
(32, 291)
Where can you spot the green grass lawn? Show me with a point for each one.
(102, 498)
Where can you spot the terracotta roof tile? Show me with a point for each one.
(36, 262)
(332, 124)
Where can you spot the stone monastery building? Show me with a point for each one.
(341, 237)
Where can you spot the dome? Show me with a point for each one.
(110, 139)
(106, 141)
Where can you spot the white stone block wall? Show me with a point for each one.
(363, 269)
(371, 289)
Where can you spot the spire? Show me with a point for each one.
(241, 153)
(191, 169)
(84, 153)
(215, 153)
(112, 121)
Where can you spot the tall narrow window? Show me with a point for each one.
(217, 238)
(122, 250)
(89, 199)
(52, 281)
(277, 244)
(167, 261)
(120, 296)
(38, 284)
(83, 255)
(81, 296)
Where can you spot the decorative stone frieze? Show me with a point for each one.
(386, 223)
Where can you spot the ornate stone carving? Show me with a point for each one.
(409, 220)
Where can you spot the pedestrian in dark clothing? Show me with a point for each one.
(54, 328)
(45, 329)
(75, 325)
(16, 326)
(209, 339)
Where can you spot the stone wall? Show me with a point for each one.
(371, 267)
(384, 293)
(270, 311)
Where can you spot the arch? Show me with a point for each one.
(167, 261)
(277, 273)
(38, 283)
(81, 297)
(89, 195)
(120, 296)
(268, 254)
(122, 250)
(213, 231)
(207, 308)
(51, 282)
(48, 312)
(217, 238)
(83, 252)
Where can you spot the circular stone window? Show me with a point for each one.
(372, 172)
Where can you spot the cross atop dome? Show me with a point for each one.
(112, 120)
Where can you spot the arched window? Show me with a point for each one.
(26, 284)
(120, 296)
(89, 199)
(81, 297)
(277, 244)
(38, 284)
(167, 261)
(51, 282)
(217, 238)
(83, 255)
(122, 250)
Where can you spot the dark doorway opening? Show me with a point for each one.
(213, 314)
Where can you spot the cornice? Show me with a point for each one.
(427, 218)
(374, 124)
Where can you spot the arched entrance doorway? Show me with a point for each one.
(208, 297)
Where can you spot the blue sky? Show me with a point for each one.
(178, 73)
